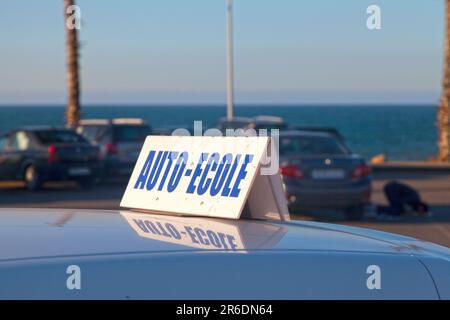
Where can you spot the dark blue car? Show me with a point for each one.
(320, 172)
(38, 155)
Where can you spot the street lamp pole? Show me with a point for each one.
(230, 62)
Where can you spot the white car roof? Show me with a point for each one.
(130, 255)
(53, 233)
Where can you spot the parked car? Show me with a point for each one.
(119, 141)
(320, 172)
(37, 155)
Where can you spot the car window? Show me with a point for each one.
(58, 136)
(311, 146)
(124, 133)
(20, 141)
(92, 133)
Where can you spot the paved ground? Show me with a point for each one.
(434, 187)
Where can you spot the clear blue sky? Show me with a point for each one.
(173, 51)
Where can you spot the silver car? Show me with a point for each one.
(119, 141)
(320, 172)
(87, 254)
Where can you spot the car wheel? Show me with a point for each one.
(32, 178)
(86, 183)
(355, 213)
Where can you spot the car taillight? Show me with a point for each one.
(111, 149)
(292, 171)
(361, 171)
(52, 154)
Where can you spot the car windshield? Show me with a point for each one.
(92, 133)
(58, 136)
(124, 133)
(311, 146)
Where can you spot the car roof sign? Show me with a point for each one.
(205, 176)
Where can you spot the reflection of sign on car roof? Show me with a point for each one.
(205, 176)
(207, 234)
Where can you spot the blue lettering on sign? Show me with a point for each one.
(221, 174)
(143, 176)
(172, 155)
(177, 172)
(196, 174)
(213, 174)
(156, 171)
(205, 182)
(226, 189)
(241, 176)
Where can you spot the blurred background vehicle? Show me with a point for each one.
(268, 123)
(320, 172)
(257, 123)
(334, 132)
(37, 155)
(119, 141)
(237, 123)
(170, 129)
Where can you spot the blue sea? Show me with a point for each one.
(399, 132)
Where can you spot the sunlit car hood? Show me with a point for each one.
(44, 233)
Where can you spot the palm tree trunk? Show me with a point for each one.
(444, 107)
(73, 79)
